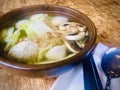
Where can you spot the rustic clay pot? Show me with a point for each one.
(47, 69)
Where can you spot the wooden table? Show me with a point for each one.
(104, 13)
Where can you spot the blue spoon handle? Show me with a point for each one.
(107, 86)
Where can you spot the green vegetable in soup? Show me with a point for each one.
(12, 38)
(3, 35)
(26, 27)
(41, 53)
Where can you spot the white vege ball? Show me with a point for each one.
(25, 51)
(58, 20)
(56, 53)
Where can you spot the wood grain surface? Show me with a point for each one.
(104, 13)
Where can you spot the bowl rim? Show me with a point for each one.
(16, 65)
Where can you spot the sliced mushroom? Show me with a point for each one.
(81, 28)
(86, 33)
(77, 37)
(64, 26)
(72, 46)
(81, 45)
(72, 28)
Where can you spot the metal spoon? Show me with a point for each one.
(111, 65)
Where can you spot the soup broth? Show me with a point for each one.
(42, 38)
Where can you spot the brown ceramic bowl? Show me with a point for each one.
(53, 68)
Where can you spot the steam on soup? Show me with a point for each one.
(43, 37)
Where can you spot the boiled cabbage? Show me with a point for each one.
(12, 38)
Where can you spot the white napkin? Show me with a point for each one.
(74, 80)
